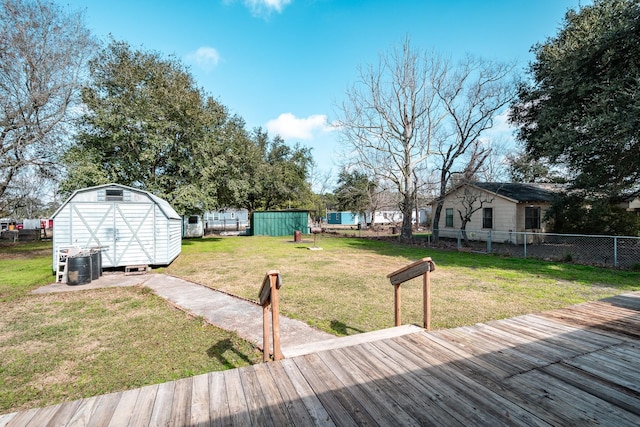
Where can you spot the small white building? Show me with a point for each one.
(192, 226)
(131, 226)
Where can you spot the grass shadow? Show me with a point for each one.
(342, 328)
(219, 349)
(191, 241)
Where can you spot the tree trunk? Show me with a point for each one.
(407, 209)
(436, 217)
(435, 227)
(463, 229)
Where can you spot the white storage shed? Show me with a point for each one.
(131, 226)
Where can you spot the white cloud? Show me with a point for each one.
(265, 7)
(205, 57)
(501, 131)
(289, 126)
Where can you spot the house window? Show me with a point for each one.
(193, 219)
(487, 217)
(531, 218)
(448, 217)
(114, 194)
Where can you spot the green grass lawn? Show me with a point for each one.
(343, 289)
(65, 346)
(61, 347)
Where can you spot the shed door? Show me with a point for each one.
(125, 231)
(134, 240)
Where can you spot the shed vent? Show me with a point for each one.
(114, 194)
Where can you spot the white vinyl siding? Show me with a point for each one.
(140, 229)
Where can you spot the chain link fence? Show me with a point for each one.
(605, 251)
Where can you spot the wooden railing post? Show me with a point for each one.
(397, 304)
(265, 333)
(421, 267)
(274, 280)
(269, 296)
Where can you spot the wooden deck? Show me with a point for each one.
(574, 366)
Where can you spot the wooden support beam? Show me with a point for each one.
(397, 304)
(275, 303)
(268, 296)
(266, 346)
(426, 301)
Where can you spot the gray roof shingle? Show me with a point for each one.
(522, 192)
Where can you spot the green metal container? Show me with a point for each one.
(279, 223)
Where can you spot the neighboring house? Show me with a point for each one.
(631, 203)
(227, 219)
(129, 225)
(383, 217)
(343, 218)
(506, 208)
(390, 217)
(222, 220)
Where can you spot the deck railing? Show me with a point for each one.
(421, 267)
(269, 297)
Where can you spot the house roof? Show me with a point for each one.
(522, 192)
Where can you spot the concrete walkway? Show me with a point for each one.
(231, 313)
(220, 309)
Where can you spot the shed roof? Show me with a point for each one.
(164, 206)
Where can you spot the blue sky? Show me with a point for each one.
(284, 64)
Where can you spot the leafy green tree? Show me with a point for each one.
(524, 168)
(356, 193)
(582, 106)
(277, 174)
(582, 213)
(43, 55)
(148, 126)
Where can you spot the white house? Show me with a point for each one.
(503, 208)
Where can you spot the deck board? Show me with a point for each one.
(218, 398)
(236, 401)
(573, 366)
(143, 406)
(104, 408)
(200, 415)
(181, 402)
(304, 393)
(382, 407)
(126, 407)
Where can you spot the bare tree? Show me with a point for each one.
(472, 95)
(43, 50)
(415, 105)
(391, 117)
(471, 201)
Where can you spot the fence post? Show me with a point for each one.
(524, 236)
(615, 251)
(489, 242)
(459, 237)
